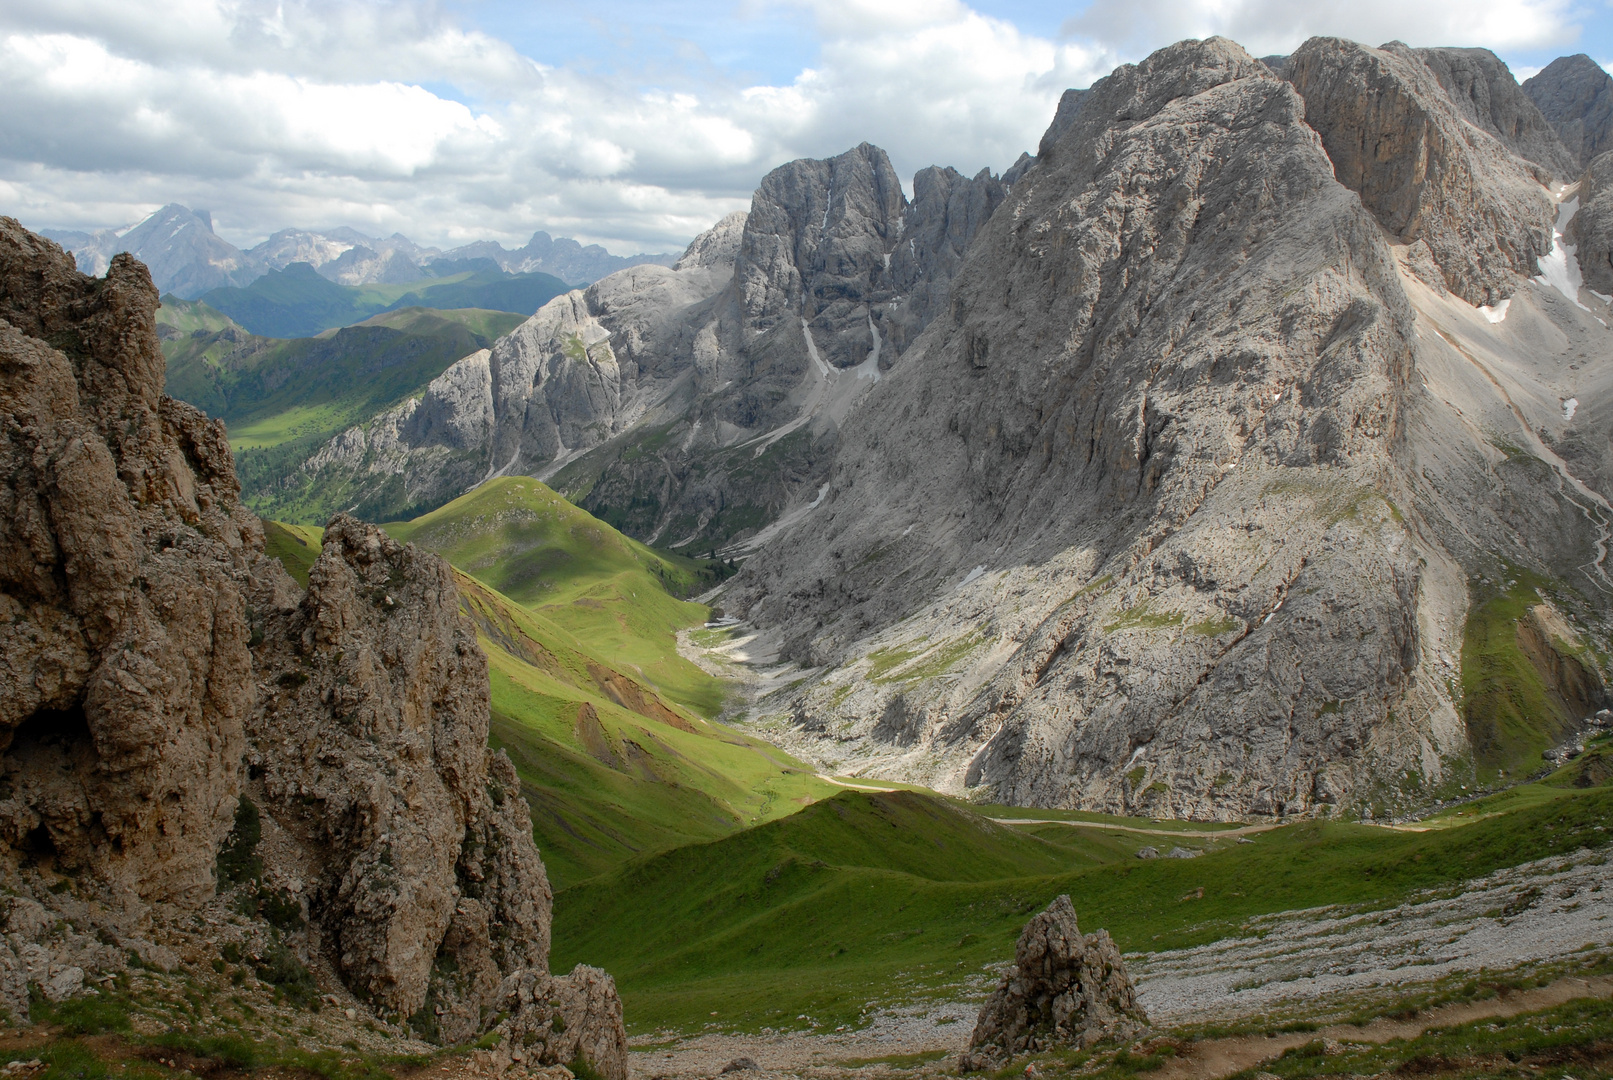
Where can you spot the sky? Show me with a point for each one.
(631, 123)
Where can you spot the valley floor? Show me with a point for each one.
(1530, 924)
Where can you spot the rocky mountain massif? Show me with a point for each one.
(693, 406)
(187, 258)
(1242, 453)
(182, 721)
(1252, 472)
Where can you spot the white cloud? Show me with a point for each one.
(1279, 26)
(391, 116)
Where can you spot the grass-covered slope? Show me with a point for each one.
(298, 302)
(282, 399)
(517, 536)
(1528, 677)
(879, 897)
(608, 727)
(272, 391)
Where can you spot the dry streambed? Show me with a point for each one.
(1320, 964)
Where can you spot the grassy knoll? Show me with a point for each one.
(612, 768)
(801, 917)
(296, 546)
(1522, 690)
(282, 399)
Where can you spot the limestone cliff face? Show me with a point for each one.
(1576, 97)
(156, 668)
(1591, 227)
(1486, 95)
(757, 344)
(125, 677)
(1174, 510)
(1395, 137)
(948, 210)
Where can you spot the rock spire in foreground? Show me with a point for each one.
(1065, 989)
(162, 681)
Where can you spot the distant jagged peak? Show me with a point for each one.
(1575, 95)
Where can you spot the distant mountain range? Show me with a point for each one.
(299, 302)
(187, 258)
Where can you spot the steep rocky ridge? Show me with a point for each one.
(1486, 95)
(1395, 137)
(161, 676)
(1576, 97)
(696, 404)
(1176, 512)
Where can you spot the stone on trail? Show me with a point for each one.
(1064, 989)
(739, 1064)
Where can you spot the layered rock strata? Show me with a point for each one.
(1065, 989)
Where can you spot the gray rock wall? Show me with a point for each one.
(1576, 97)
(1395, 138)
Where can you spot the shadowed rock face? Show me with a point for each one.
(948, 210)
(1395, 138)
(125, 676)
(1576, 97)
(1591, 227)
(1486, 95)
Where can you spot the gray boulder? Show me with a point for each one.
(1065, 989)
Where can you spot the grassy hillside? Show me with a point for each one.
(518, 537)
(608, 727)
(296, 546)
(881, 897)
(298, 302)
(282, 399)
(178, 318)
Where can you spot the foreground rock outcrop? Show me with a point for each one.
(174, 707)
(1065, 989)
(125, 674)
(369, 753)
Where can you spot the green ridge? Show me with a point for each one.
(843, 904)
